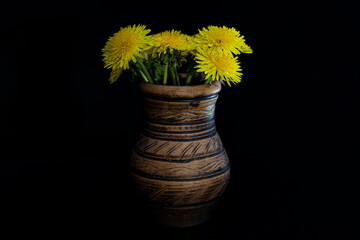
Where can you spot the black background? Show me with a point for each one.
(290, 128)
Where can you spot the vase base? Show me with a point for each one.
(183, 216)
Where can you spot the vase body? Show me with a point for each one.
(179, 165)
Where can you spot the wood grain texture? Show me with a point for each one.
(179, 165)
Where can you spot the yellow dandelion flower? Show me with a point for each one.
(123, 47)
(216, 66)
(191, 45)
(172, 40)
(221, 40)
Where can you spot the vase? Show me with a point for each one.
(179, 166)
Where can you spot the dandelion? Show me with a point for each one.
(172, 40)
(123, 47)
(216, 67)
(221, 40)
(156, 59)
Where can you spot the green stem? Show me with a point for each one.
(172, 75)
(177, 76)
(165, 73)
(188, 79)
(143, 75)
(145, 72)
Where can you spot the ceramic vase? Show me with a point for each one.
(179, 165)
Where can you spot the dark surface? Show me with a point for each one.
(293, 197)
(290, 128)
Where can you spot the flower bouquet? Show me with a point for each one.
(210, 55)
(178, 165)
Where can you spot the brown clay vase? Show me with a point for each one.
(179, 165)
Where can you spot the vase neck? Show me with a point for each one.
(180, 119)
(180, 111)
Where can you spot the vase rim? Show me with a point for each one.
(180, 92)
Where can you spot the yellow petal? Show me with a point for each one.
(115, 73)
